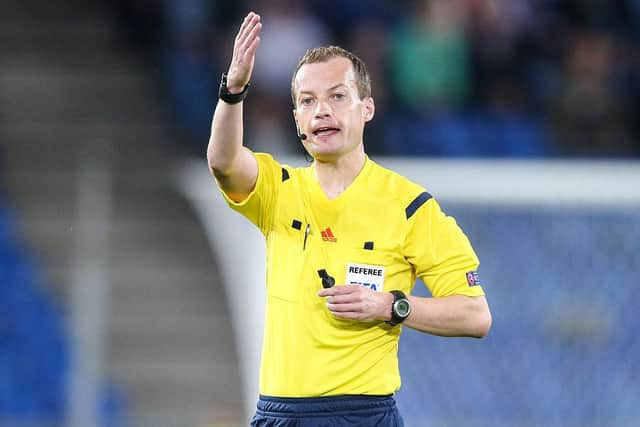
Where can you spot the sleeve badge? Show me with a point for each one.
(472, 278)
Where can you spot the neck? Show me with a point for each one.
(336, 175)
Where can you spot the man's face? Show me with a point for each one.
(328, 108)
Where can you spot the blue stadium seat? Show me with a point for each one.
(473, 134)
(34, 348)
(563, 349)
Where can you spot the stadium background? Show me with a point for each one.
(112, 305)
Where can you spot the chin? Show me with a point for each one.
(325, 155)
(323, 149)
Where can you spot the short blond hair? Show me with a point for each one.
(324, 54)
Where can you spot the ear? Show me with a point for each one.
(369, 109)
(295, 119)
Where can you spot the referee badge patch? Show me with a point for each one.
(369, 276)
(472, 278)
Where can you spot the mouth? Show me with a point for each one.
(325, 131)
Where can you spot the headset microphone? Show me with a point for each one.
(301, 136)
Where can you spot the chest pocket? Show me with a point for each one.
(285, 260)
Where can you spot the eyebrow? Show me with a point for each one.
(329, 90)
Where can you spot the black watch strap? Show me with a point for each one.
(228, 97)
(400, 308)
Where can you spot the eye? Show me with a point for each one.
(306, 101)
(338, 96)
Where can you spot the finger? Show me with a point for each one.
(250, 39)
(343, 308)
(327, 292)
(348, 315)
(251, 50)
(253, 35)
(338, 290)
(245, 24)
(248, 30)
(243, 27)
(246, 50)
(344, 299)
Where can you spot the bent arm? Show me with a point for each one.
(450, 316)
(233, 165)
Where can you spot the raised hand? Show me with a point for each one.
(244, 53)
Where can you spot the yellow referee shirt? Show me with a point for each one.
(382, 232)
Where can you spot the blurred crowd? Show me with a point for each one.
(500, 78)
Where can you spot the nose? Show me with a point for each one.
(323, 109)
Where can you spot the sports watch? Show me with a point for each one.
(228, 97)
(400, 308)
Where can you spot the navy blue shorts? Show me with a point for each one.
(333, 411)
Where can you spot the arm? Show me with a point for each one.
(455, 315)
(233, 165)
(450, 316)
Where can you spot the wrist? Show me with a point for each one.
(400, 308)
(387, 306)
(231, 94)
(234, 90)
(233, 85)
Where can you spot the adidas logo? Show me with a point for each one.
(327, 235)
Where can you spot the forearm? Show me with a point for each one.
(225, 142)
(455, 315)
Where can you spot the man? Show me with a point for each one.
(346, 240)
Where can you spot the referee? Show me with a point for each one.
(346, 240)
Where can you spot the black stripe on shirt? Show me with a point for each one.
(416, 203)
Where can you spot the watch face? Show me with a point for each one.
(402, 308)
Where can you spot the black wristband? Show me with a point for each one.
(400, 308)
(228, 97)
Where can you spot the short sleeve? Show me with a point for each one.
(441, 253)
(258, 206)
